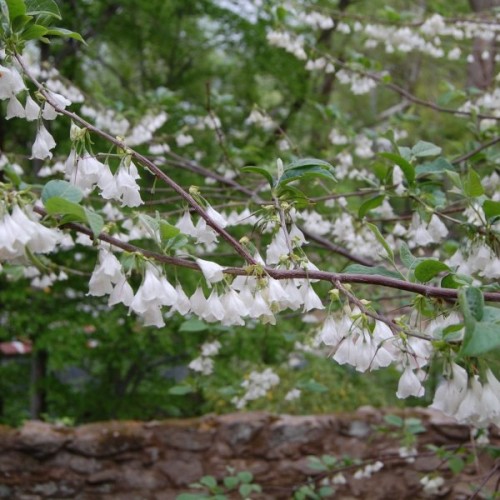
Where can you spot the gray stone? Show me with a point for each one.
(45, 489)
(41, 439)
(5, 491)
(181, 473)
(106, 439)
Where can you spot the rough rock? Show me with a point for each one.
(158, 460)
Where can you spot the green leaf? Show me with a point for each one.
(405, 152)
(245, 476)
(406, 256)
(437, 166)
(16, 8)
(64, 33)
(312, 386)
(423, 148)
(325, 491)
(260, 171)
(295, 174)
(12, 174)
(374, 229)
(61, 206)
(61, 189)
(34, 32)
(394, 420)
(472, 184)
(42, 8)
(309, 162)
(177, 242)
(491, 209)
(167, 231)
(370, 205)
(449, 281)
(315, 463)
(95, 221)
(456, 464)
(407, 168)
(329, 460)
(20, 22)
(181, 390)
(483, 336)
(294, 194)
(230, 482)
(246, 489)
(428, 269)
(193, 325)
(455, 178)
(472, 303)
(372, 271)
(209, 482)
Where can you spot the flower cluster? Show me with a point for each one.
(367, 471)
(466, 399)
(20, 230)
(204, 364)
(257, 385)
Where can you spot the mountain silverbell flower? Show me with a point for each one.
(212, 271)
(11, 82)
(44, 142)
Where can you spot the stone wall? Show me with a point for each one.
(157, 460)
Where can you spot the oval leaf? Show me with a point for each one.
(472, 184)
(370, 205)
(295, 174)
(260, 171)
(42, 8)
(423, 148)
(180, 390)
(428, 269)
(484, 335)
(407, 168)
(61, 206)
(472, 303)
(61, 189)
(95, 221)
(491, 209)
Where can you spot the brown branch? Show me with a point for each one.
(280, 274)
(470, 154)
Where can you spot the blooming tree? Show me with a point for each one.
(366, 209)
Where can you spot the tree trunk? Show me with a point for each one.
(38, 399)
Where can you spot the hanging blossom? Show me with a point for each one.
(49, 112)
(202, 232)
(20, 229)
(422, 234)
(155, 291)
(44, 142)
(478, 258)
(108, 278)
(86, 171)
(356, 345)
(11, 82)
(122, 186)
(467, 399)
